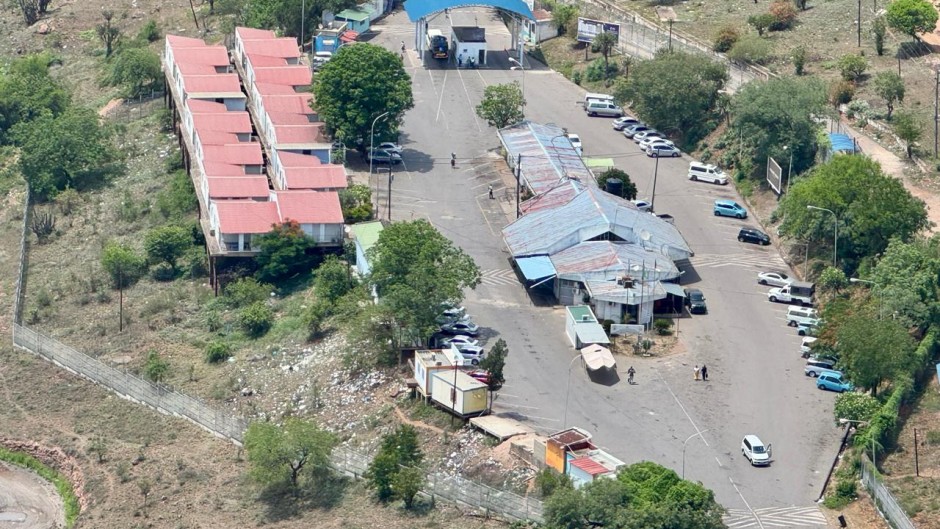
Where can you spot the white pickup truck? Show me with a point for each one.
(795, 292)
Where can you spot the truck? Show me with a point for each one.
(437, 44)
(796, 292)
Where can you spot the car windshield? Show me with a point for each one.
(696, 296)
(757, 449)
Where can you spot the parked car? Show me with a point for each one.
(640, 136)
(624, 122)
(383, 156)
(797, 314)
(465, 327)
(575, 141)
(807, 329)
(699, 171)
(754, 450)
(480, 374)
(390, 147)
(445, 319)
(459, 340)
(633, 130)
(816, 366)
(642, 205)
(452, 312)
(806, 346)
(695, 301)
(647, 141)
(659, 150)
(729, 208)
(775, 279)
(832, 381)
(753, 235)
(320, 58)
(607, 109)
(473, 353)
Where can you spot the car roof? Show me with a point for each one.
(692, 291)
(753, 439)
(753, 230)
(726, 202)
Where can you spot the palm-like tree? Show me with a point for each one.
(604, 44)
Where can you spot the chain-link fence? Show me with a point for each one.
(884, 500)
(20, 294)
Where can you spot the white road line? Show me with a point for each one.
(689, 417)
(440, 101)
(746, 504)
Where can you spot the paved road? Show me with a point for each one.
(756, 383)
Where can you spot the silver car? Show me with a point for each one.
(659, 149)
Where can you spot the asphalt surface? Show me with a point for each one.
(756, 383)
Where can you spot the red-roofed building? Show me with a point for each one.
(285, 47)
(288, 75)
(290, 118)
(221, 88)
(541, 29)
(237, 223)
(281, 159)
(236, 187)
(216, 169)
(197, 69)
(175, 42)
(299, 137)
(584, 466)
(242, 33)
(318, 213)
(276, 89)
(233, 122)
(246, 154)
(199, 60)
(213, 137)
(203, 106)
(327, 177)
(293, 103)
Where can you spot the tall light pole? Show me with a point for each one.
(835, 238)
(303, 15)
(521, 67)
(564, 422)
(880, 294)
(863, 423)
(697, 434)
(790, 168)
(371, 147)
(653, 195)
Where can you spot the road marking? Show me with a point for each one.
(746, 504)
(776, 517)
(498, 276)
(681, 407)
(440, 100)
(485, 218)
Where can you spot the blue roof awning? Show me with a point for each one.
(418, 9)
(841, 142)
(535, 268)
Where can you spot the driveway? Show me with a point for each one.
(756, 384)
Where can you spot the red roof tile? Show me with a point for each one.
(590, 466)
(260, 61)
(331, 176)
(202, 106)
(235, 154)
(212, 55)
(278, 47)
(245, 216)
(293, 159)
(298, 75)
(226, 83)
(216, 169)
(215, 137)
(238, 187)
(298, 134)
(188, 68)
(349, 36)
(309, 207)
(273, 88)
(235, 122)
(254, 34)
(179, 41)
(296, 103)
(290, 118)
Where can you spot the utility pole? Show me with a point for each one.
(859, 23)
(391, 177)
(653, 196)
(518, 183)
(936, 107)
(916, 459)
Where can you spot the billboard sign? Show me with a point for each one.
(588, 28)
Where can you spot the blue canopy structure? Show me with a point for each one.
(842, 143)
(537, 267)
(418, 9)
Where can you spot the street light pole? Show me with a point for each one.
(653, 195)
(371, 147)
(564, 422)
(835, 238)
(790, 168)
(863, 423)
(521, 67)
(697, 434)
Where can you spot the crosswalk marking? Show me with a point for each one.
(775, 517)
(754, 259)
(498, 277)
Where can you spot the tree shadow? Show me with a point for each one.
(913, 50)
(320, 491)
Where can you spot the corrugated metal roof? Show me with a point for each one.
(547, 155)
(246, 153)
(207, 55)
(215, 137)
(293, 159)
(234, 122)
(355, 14)
(223, 169)
(203, 106)
(276, 47)
(275, 89)
(590, 466)
(418, 9)
(258, 60)
(310, 134)
(254, 34)
(222, 83)
(178, 41)
(367, 233)
(296, 103)
(611, 291)
(592, 214)
(292, 118)
(604, 260)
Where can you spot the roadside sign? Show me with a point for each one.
(588, 29)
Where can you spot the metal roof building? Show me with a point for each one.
(607, 260)
(547, 160)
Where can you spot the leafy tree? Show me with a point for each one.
(493, 363)
(356, 203)
(604, 43)
(123, 264)
(68, 150)
(566, 509)
(331, 280)
(416, 270)
(167, 244)
(315, 317)
(909, 129)
(292, 452)
(912, 16)
(27, 91)
(878, 31)
(245, 291)
(149, 32)
(674, 92)
(629, 190)
(905, 281)
(871, 207)
(761, 22)
(832, 280)
(399, 450)
(855, 407)
(874, 350)
(406, 484)
(565, 18)
(890, 87)
(156, 368)
(178, 199)
(108, 33)
(285, 15)
(136, 70)
(502, 105)
(256, 319)
(726, 38)
(751, 48)
(784, 15)
(852, 66)
(767, 115)
(358, 84)
(799, 59)
(285, 252)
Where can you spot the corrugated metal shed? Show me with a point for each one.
(606, 260)
(547, 155)
(615, 293)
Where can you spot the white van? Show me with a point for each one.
(699, 171)
(597, 97)
(805, 315)
(596, 107)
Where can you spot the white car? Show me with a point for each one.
(777, 279)
(390, 147)
(624, 122)
(575, 141)
(649, 141)
(642, 135)
(755, 451)
(806, 347)
(460, 340)
(658, 150)
(642, 205)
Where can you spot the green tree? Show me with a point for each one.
(178, 199)
(284, 15)
(331, 280)
(566, 509)
(768, 115)
(629, 190)
(136, 70)
(156, 369)
(167, 244)
(407, 484)
(68, 150)
(872, 351)
(905, 282)
(285, 252)
(356, 203)
(675, 92)
(502, 105)
(855, 407)
(878, 31)
(725, 38)
(565, 17)
(399, 450)
(27, 91)
(493, 363)
(316, 316)
(245, 291)
(909, 129)
(416, 270)
(799, 59)
(357, 85)
(123, 265)
(292, 452)
(852, 66)
(832, 280)
(761, 22)
(871, 206)
(912, 16)
(256, 319)
(890, 87)
(108, 33)
(604, 43)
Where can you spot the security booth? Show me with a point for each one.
(469, 43)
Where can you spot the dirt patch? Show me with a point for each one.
(28, 501)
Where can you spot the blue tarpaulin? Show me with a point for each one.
(842, 143)
(535, 268)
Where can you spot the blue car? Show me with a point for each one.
(729, 208)
(833, 381)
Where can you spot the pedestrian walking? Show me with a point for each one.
(704, 372)
(696, 372)
(453, 159)
(460, 60)
(630, 373)
(491, 191)
(402, 47)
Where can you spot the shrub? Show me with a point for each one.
(878, 30)
(246, 291)
(218, 352)
(662, 326)
(852, 66)
(858, 109)
(150, 32)
(841, 92)
(547, 481)
(761, 22)
(596, 71)
(576, 77)
(256, 319)
(750, 48)
(315, 316)
(163, 273)
(725, 39)
(784, 14)
(799, 60)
